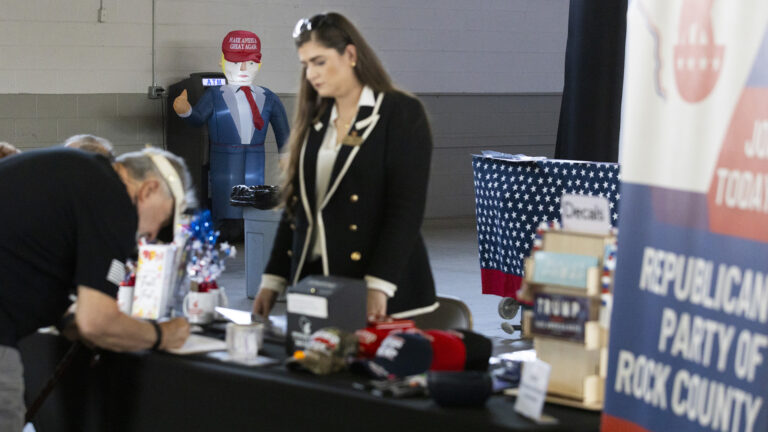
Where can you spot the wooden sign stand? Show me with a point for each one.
(579, 367)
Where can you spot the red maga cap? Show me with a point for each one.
(241, 45)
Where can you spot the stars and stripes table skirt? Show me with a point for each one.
(512, 197)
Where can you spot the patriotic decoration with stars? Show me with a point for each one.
(512, 197)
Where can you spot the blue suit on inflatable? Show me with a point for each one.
(236, 146)
(238, 115)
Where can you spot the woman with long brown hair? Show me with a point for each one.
(356, 178)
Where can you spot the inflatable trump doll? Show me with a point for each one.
(238, 115)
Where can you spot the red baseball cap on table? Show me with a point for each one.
(240, 46)
(449, 352)
(370, 337)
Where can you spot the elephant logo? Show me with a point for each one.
(698, 59)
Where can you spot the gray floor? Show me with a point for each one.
(452, 247)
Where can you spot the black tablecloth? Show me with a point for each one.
(152, 391)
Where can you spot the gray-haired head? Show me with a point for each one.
(91, 143)
(140, 166)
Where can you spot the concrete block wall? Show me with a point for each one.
(489, 72)
(31, 121)
(445, 46)
(463, 125)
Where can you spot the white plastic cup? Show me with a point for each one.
(244, 341)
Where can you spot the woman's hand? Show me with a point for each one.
(377, 305)
(264, 302)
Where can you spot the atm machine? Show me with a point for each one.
(191, 142)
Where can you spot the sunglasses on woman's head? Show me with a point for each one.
(308, 24)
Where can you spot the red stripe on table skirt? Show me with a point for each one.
(499, 283)
(610, 423)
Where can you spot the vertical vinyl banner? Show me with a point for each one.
(689, 329)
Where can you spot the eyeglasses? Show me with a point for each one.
(308, 24)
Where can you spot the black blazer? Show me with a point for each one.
(373, 210)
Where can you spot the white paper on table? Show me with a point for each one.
(278, 324)
(258, 361)
(533, 389)
(234, 315)
(199, 344)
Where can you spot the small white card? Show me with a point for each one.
(533, 389)
(309, 305)
(584, 213)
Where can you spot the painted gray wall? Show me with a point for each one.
(490, 72)
(438, 46)
(42, 120)
(462, 125)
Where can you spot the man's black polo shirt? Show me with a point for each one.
(65, 220)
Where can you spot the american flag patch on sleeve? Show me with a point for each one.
(116, 272)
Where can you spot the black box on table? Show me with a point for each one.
(324, 301)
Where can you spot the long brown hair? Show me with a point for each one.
(331, 30)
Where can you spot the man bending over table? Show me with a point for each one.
(68, 221)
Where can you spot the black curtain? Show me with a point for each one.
(590, 114)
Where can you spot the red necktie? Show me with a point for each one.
(258, 122)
